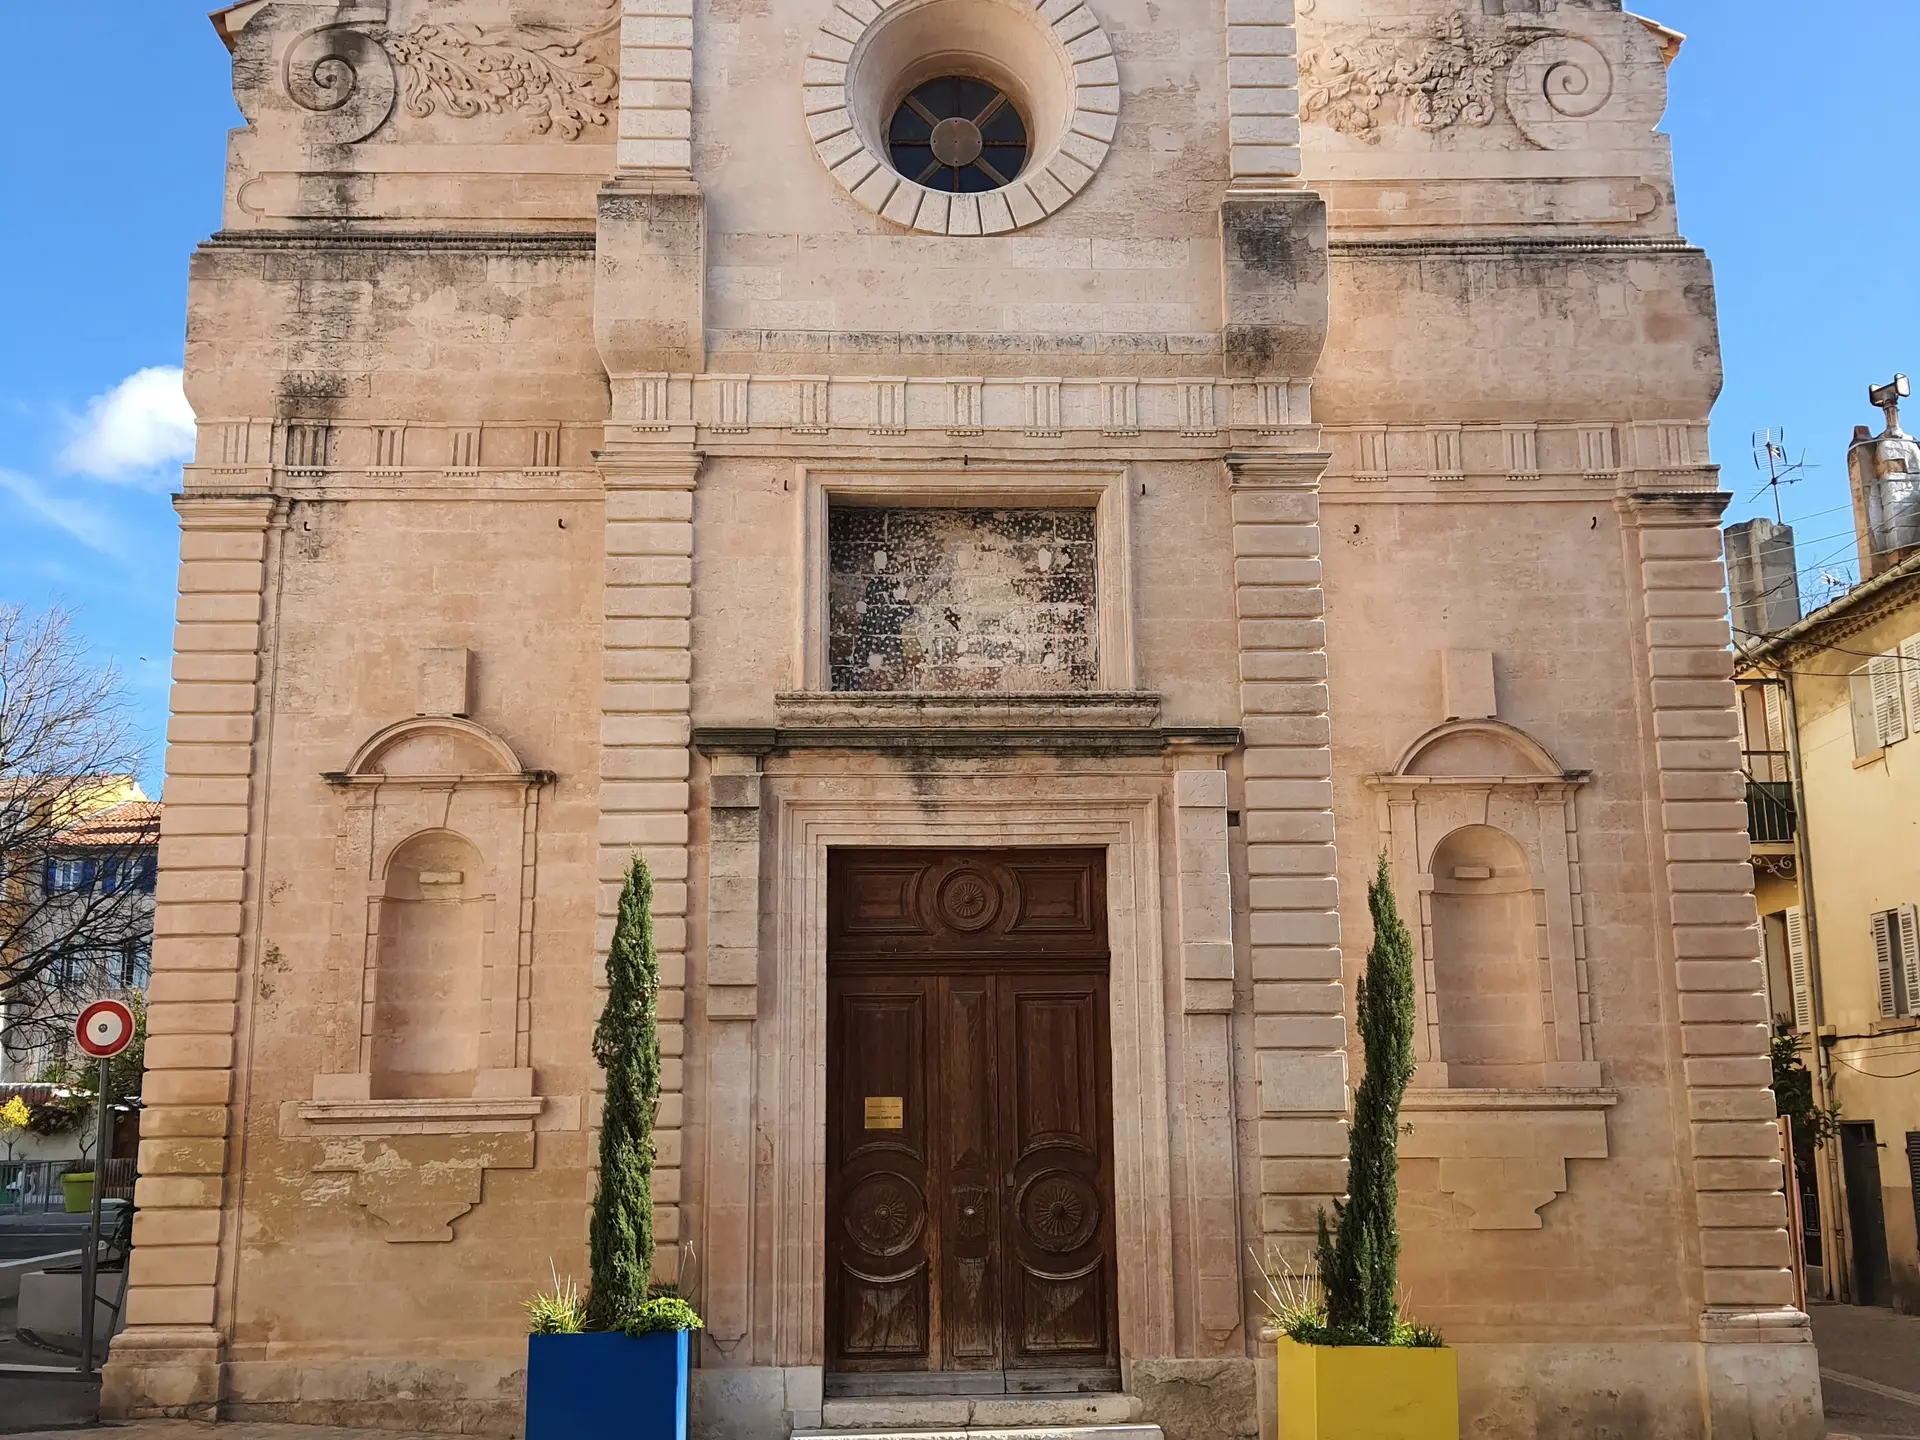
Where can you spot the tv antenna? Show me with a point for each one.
(1770, 458)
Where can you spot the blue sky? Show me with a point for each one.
(1794, 139)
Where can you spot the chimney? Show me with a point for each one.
(1883, 472)
(1762, 578)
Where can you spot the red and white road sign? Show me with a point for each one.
(104, 1029)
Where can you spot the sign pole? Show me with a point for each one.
(90, 1257)
(104, 1029)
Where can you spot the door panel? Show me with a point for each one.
(1866, 1213)
(968, 1067)
(969, 1188)
(880, 1237)
(1059, 1231)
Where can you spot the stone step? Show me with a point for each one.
(991, 1432)
(977, 1412)
(982, 1417)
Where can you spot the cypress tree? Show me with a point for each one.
(1359, 1264)
(628, 1049)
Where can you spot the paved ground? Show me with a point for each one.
(1869, 1371)
(24, 1236)
(1869, 1364)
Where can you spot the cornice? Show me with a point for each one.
(581, 242)
(1531, 247)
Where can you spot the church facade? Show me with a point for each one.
(1012, 510)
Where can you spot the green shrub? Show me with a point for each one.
(1359, 1260)
(626, 1044)
(559, 1311)
(662, 1312)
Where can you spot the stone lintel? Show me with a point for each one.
(455, 1116)
(1677, 507)
(230, 511)
(766, 740)
(1298, 468)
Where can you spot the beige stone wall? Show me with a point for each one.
(557, 386)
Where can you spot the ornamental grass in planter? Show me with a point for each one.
(1351, 1365)
(616, 1363)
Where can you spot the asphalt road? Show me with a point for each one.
(24, 1236)
(1869, 1371)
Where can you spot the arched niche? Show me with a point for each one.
(430, 959)
(429, 970)
(1483, 840)
(1481, 795)
(1488, 957)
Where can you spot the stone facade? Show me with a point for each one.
(549, 363)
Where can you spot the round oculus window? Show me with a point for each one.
(958, 134)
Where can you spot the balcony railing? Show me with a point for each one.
(1771, 818)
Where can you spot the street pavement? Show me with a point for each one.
(1869, 1371)
(1869, 1368)
(39, 1233)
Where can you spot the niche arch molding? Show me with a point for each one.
(1502, 1135)
(422, 777)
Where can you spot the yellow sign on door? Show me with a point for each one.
(885, 1112)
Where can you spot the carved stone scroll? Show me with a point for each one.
(349, 77)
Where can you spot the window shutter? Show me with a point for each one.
(1889, 708)
(1910, 675)
(1883, 953)
(1906, 979)
(1776, 711)
(1797, 970)
(1913, 1169)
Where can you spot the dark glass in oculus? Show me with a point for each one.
(958, 135)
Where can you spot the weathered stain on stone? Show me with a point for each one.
(962, 600)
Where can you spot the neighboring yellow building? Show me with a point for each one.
(1839, 692)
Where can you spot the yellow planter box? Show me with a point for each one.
(1367, 1392)
(77, 1192)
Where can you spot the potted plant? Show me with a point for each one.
(617, 1364)
(76, 1186)
(1351, 1365)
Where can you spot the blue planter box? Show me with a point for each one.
(607, 1386)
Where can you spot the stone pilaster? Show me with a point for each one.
(168, 1359)
(1675, 543)
(1206, 979)
(656, 88)
(732, 1009)
(646, 669)
(1293, 920)
(1263, 94)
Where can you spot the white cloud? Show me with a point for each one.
(139, 426)
(91, 527)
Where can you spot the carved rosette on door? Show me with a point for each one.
(969, 1142)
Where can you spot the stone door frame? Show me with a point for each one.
(1120, 814)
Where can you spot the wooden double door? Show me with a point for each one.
(970, 1226)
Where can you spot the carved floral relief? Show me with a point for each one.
(1453, 73)
(349, 76)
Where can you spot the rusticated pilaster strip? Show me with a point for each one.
(646, 669)
(1702, 822)
(167, 1359)
(1293, 916)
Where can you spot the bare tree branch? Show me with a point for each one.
(77, 842)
